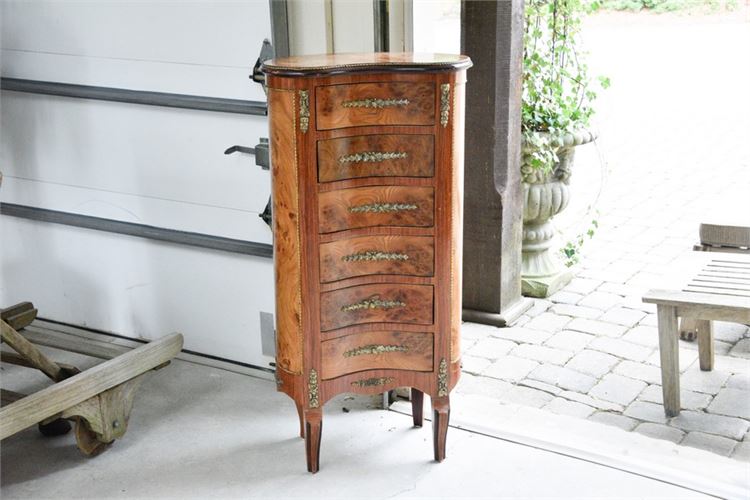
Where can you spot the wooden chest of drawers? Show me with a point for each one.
(367, 158)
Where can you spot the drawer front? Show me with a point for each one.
(380, 303)
(366, 255)
(377, 350)
(340, 106)
(376, 156)
(376, 206)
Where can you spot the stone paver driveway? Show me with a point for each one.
(674, 136)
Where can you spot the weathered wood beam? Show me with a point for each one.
(29, 351)
(491, 34)
(75, 390)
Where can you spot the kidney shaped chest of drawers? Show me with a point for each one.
(367, 160)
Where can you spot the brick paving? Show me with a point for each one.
(673, 136)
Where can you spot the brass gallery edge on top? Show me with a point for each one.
(367, 173)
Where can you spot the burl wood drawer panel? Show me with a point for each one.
(396, 103)
(378, 303)
(376, 206)
(376, 156)
(366, 255)
(377, 350)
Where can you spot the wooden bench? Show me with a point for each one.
(717, 288)
(98, 400)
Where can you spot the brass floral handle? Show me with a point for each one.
(373, 302)
(382, 207)
(373, 156)
(374, 255)
(373, 382)
(375, 349)
(375, 103)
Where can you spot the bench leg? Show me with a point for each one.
(688, 328)
(669, 354)
(705, 330)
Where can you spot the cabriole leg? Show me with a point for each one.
(441, 411)
(313, 428)
(301, 415)
(417, 406)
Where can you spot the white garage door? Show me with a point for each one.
(148, 166)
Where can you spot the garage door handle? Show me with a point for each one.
(260, 151)
(240, 149)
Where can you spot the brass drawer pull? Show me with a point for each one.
(373, 302)
(375, 349)
(375, 103)
(373, 156)
(382, 208)
(374, 255)
(373, 382)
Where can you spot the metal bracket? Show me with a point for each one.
(266, 214)
(266, 52)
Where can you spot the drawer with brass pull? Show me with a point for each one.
(394, 103)
(370, 206)
(377, 350)
(376, 156)
(378, 303)
(367, 255)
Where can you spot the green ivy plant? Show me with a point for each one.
(571, 252)
(558, 92)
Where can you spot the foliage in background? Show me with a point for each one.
(557, 90)
(571, 252)
(660, 6)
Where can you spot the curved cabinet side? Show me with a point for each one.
(287, 264)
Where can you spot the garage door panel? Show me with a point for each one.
(221, 82)
(216, 221)
(129, 285)
(215, 34)
(151, 151)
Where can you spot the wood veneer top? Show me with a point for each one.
(328, 64)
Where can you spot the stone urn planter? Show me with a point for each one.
(546, 195)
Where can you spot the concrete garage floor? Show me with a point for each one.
(199, 431)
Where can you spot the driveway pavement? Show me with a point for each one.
(674, 150)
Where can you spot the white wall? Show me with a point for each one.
(145, 164)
